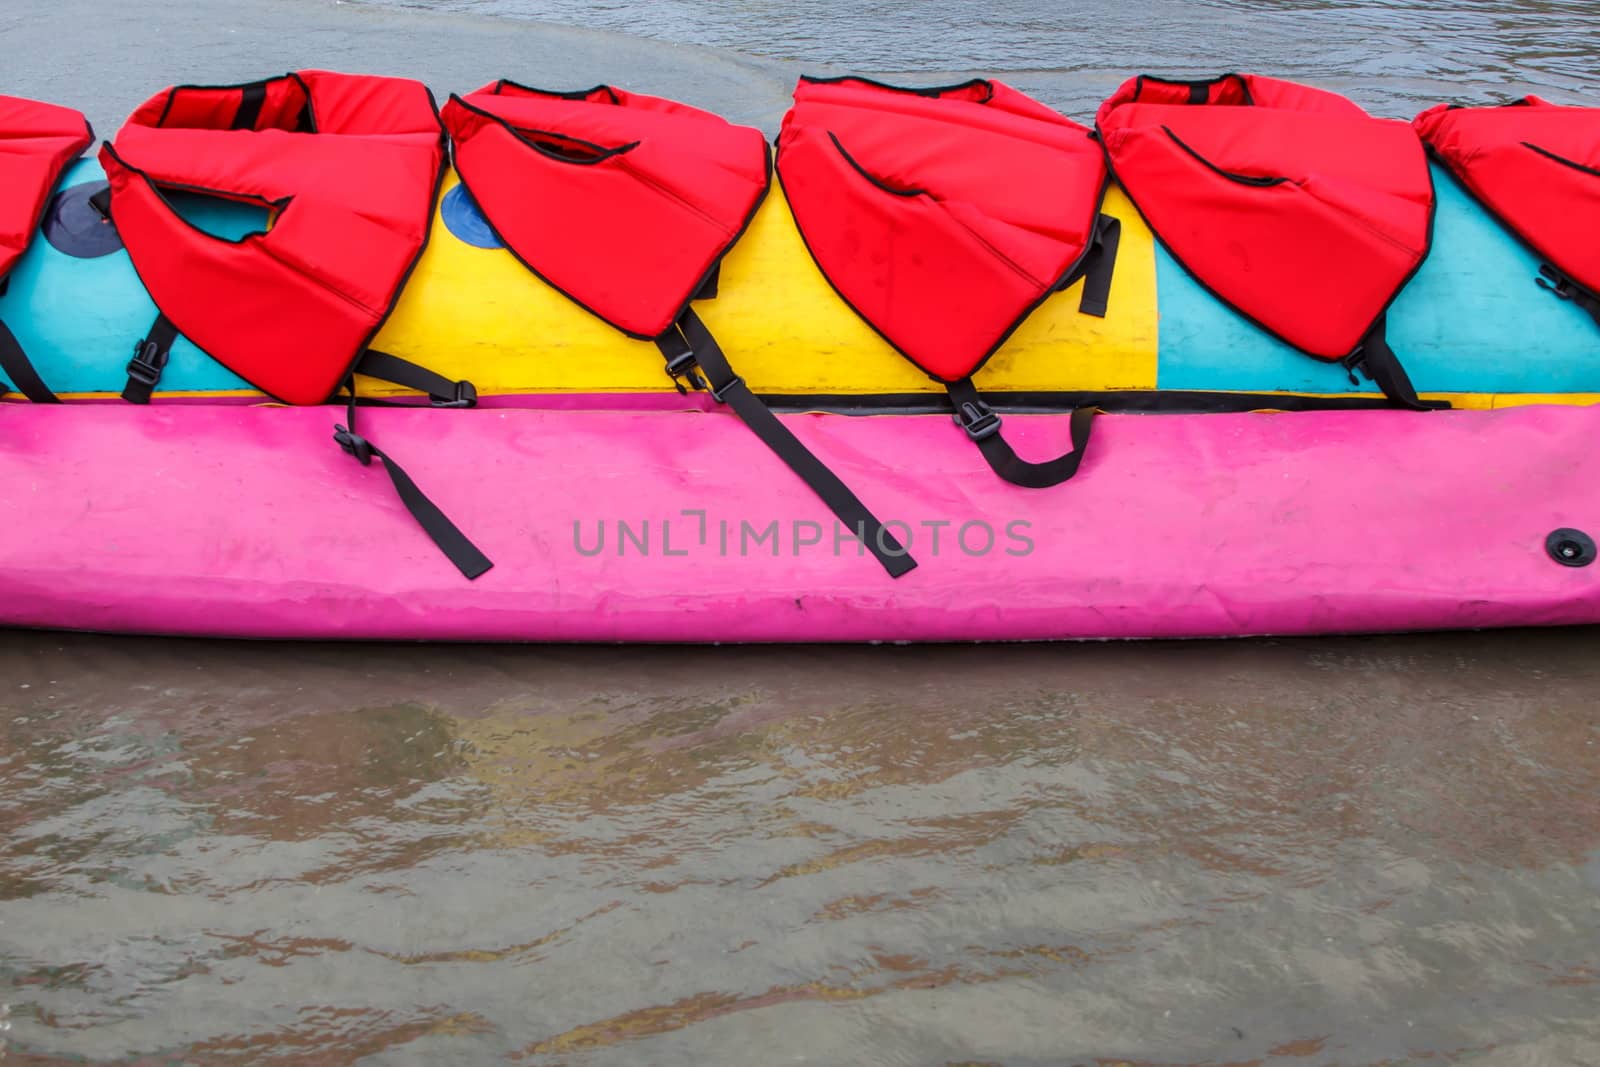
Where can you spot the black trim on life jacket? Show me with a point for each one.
(1199, 89)
(502, 84)
(589, 154)
(1232, 176)
(1563, 160)
(871, 177)
(690, 350)
(917, 90)
(1519, 102)
(1379, 363)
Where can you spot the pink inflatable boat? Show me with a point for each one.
(599, 462)
(679, 526)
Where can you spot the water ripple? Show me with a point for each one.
(1390, 54)
(1162, 854)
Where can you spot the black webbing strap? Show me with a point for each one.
(690, 350)
(983, 426)
(149, 360)
(442, 392)
(1376, 360)
(710, 284)
(1567, 289)
(1097, 267)
(444, 533)
(250, 103)
(18, 370)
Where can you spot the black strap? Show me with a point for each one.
(1098, 266)
(1567, 289)
(689, 347)
(250, 102)
(710, 283)
(442, 391)
(1376, 360)
(149, 360)
(18, 370)
(983, 426)
(444, 533)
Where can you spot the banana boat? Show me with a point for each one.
(1264, 364)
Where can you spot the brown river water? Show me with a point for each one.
(1352, 851)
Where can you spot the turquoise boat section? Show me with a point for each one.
(78, 319)
(1471, 321)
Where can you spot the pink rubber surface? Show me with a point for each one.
(250, 522)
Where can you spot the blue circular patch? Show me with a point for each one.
(73, 225)
(465, 222)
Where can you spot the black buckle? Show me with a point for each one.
(720, 394)
(353, 444)
(683, 368)
(978, 419)
(147, 362)
(466, 396)
(1559, 283)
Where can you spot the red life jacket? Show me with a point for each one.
(1536, 167)
(627, 203)
(350, 167)
(572, 182)
(37, 142)
(944, 216)
(1292, 205)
